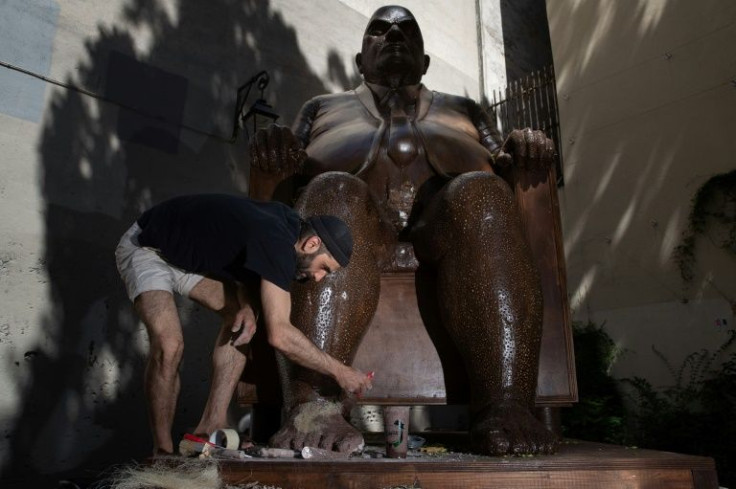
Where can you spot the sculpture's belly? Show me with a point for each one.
(445, 150)
(346, 147)
(454, 148)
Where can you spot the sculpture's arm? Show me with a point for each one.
(302, 127)
(489, 136)
(526, 148)
(531, 149)
(278, 149)
(277, 154)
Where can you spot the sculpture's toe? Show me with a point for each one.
(318, 424)
(280, 439)
(510, 429)
(314, 439)
(327, 441)
(350, 442)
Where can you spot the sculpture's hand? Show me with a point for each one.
(277, 150)
(531, 150)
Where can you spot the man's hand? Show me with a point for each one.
(277, 150)
(354, 381)
(531, 150)
(244, 327)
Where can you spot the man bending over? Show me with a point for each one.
(234, 256)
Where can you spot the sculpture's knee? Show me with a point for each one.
(479, 201)
(349, 198)
(338, 192)
(471, 207)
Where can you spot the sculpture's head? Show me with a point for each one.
(393, 49)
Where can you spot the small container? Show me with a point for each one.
(415, 442)
(320, 453)
(396, 429)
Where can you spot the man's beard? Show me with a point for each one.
(303, 262)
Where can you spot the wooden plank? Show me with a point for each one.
(413, 371)
(705, 479)
(631, 479)
(536, 196)
(577, 465)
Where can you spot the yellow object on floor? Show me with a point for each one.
(433, 449)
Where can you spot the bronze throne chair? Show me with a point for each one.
(418, 362)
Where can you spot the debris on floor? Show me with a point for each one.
(187, 474)
(433, 449)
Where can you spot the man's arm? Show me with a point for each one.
(286, 338)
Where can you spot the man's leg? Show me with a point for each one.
(157, 310)
(227, 361)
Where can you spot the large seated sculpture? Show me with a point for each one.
(412, 172)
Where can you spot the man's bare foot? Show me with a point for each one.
(318, 424)
(158, 453)
(510, 429)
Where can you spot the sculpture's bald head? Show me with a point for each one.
(393, 48)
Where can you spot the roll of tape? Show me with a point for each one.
(227, 438)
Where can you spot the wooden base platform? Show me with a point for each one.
(576, 465)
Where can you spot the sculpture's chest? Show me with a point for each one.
(394, 157)
(348, 136)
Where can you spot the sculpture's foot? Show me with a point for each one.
(510, 429)
(318, 424)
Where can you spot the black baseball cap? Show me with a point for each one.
(335, 234)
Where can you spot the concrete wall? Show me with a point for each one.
(647, 98)
(77, 170)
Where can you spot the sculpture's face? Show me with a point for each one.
(393, 48)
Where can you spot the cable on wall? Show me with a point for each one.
(97, 96)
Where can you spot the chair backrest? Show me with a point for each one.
(419, 364)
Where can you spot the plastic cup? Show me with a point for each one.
(396, 429)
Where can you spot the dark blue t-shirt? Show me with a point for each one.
(225, 236)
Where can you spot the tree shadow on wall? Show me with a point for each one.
(82, 405)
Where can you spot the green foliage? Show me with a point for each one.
(714, 203)
(694, 415)
(600, 414)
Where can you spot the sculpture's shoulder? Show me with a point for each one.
(453, 99)
(456, 103)
(328, 100)
(325, 112)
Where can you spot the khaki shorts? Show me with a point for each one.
(142, 269)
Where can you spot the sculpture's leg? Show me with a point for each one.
(491, 304)
(334, 314)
